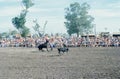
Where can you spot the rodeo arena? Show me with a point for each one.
(60, 57)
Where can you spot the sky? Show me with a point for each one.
(106, 14)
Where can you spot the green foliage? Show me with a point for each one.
(25, 31)
(19, 21)
(77, 19)
(5, 34)
(27, 3)
(8, 34)
(13, 32)
(0, 36)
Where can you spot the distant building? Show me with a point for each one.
(104, 34)
(116, 34)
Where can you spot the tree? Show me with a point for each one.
(0, 36)
(77, 19)
(38, 30)
(13, 32)
(27, 4)
(5, 34)
(19, 21)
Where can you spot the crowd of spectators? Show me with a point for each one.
(59, 40)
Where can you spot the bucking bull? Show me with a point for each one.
(44, 45)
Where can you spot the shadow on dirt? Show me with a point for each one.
(54, 55)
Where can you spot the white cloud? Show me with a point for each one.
(1, 0)
(6, 26)
(114, 5)
(54, 24)
(53, 12)
(106, 18)
(105, 13)
(36, 10)
(8, 0)
(10, 11)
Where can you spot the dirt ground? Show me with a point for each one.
(78, 63)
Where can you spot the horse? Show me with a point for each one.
(44, 45)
